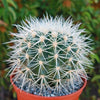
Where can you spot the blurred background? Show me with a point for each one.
(85, 11)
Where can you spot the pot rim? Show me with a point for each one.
(70, 95)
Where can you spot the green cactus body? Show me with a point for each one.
(49, 54)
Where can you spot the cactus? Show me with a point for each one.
(49, 55)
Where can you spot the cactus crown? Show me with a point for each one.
(49, 54)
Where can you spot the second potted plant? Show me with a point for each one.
(48, 59)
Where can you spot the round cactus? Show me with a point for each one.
(49, 54)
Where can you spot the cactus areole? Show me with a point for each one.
(49, 59)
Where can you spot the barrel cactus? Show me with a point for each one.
(49, 56)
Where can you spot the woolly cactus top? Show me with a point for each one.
(49, 54)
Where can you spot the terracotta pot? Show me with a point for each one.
(22, 95)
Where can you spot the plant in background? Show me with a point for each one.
(49, 56)
(7, 17)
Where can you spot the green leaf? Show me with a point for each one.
(13, 13)
(95, 56)
(5, 4)
(87, 15)
(14, 94)
(95, 21)
(1, 12)
(90, 28)
(97, 77)
(12, 3)
(3, 82)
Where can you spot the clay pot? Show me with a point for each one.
(22, 95)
